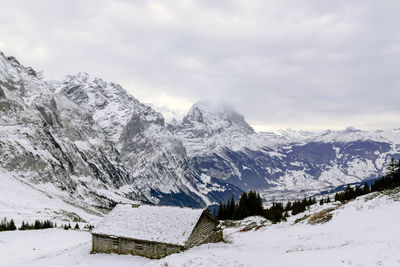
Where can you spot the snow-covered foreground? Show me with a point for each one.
(361, 233)
(364, 232)
(56, 247)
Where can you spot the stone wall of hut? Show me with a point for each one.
(153, 250)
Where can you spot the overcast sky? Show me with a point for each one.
(308, 64)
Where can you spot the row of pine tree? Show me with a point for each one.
(389, 181)
(6, 225)
(250, 203)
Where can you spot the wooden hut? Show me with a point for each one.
(153, 231)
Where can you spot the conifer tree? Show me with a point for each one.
(219, 214)
(37, 224)
(231, 209)
(366, 189)
(288, 206)
(11, 226)
(22, 226)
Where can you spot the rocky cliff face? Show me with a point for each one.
(49, 141)
(155, 159)
(209, 126)
(91, 143)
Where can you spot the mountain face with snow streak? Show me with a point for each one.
(154, 157)
(209, 125)
(284, 161)
(90, 143)
(48, 141)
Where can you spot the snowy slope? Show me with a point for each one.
(363, 232)
(23, 202)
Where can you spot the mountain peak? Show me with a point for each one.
(92, 91)
(11, 64)
(214, 118)
(111, 106)
(351, 129)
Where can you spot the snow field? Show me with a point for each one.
(22, 202)
(56, 247)
(363, 232)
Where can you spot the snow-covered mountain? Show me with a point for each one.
(90, 143)
(209, 126)
(49, 141)
(223, 145)
(93, 143)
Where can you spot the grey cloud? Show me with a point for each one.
(281, 63)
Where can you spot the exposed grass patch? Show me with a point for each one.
(305, 217)
(371, 196)
(393, 193)
(229, 223)
(321, 217)
(249, 227)
(68, 216)
(258, 227)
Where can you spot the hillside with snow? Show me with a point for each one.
(362, 232)
(292, 163)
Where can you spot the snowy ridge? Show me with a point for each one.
(210, 124)
(212, 118)
(302, 161)
(110, 105)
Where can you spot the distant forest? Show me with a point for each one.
(250, 203)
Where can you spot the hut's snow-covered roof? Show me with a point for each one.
(172, 225)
